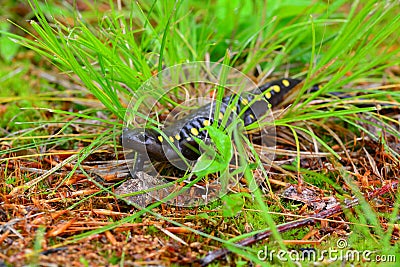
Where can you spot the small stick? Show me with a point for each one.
(216, 254)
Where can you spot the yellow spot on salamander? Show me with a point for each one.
(268, 95)
(276, 88)
(177, 137)
(188, 138)
(251, 116)
(245, 102)
(171, 139)
(160, 138)
(221, 116)
(206, 123)
(285, 83)
(194, 131)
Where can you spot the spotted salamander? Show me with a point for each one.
(150, 144)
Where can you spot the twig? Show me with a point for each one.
(216, 254)
(20, 189)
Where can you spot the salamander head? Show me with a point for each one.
(142, 141)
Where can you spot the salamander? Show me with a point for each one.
(150, 144)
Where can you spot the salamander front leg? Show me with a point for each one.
(138, 164)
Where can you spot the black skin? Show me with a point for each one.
(143, 141)
(148, 146)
